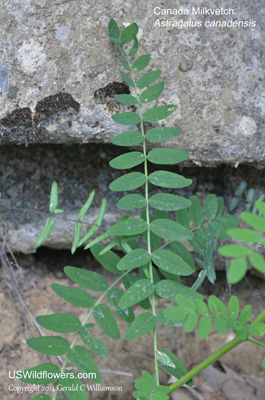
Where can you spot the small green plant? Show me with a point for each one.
(155, 254)
(247, 197)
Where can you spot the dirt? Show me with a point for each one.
(239, 375)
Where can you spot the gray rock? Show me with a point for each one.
(56, 60)
(28, 172)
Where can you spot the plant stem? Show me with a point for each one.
(257, 342)
(210, 360)
(148, 236)
(83, 323)
(214, 357)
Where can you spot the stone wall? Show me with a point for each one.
(58, 73)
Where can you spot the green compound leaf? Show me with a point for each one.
(162, 134)
(211, 206)
(255, 221)
(245, 235)
(41, 374)
(77, 235)
(128, 281)
(168, 202)
(126, 99)
(180, 250)
(196, 210)
(80, 357)
(168, 179)
(127, 160)
(172, 365)
(131, 138)
(134, 47)
(126, 118)
(201, 307)
(129, 33)
(136, 258)
(183, 217)
(233, 250)
(114, 296)
(114, 29)
(126, 78)
(148, 78)
(171, 316)
(141, 62)
(245, 314)
(237, 270)
(98, 239)
(108, 260)
(130, 227)
(142, 324)
(220, 325)
(98, 346)
(62, 322)
(170, 230)
(221, 205)
(218, 230)
(124, 64)
(101, 213)
(216, 306)
(152, 93)
(139, 291)
(131, 201)
(233, 307)
(167, 156)
(261, 207)
(185, 304)
(191, 322)
(88, 279)
(115, 40)
(147, 389)
(205, 326)
(68, 381)
(122, 51)
(75, 296)
(48, 227)
(130, 181)
(228, 221)
(200, 279)
(106, 321)
(233, 204)
(168, 289)
(155, 240)
(257, 261)
(54, 197)
(171, 263)
(158, 113)
(51, 345)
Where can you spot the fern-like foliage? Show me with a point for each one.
(251, 249)
(150, 267)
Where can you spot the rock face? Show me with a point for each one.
(27, 174)
(58, 74)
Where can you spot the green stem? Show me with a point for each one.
(214, 357)
(148, 238)
(210, 360)
(256, 342)
(83, 323)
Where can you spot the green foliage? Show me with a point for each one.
(242, 254)
(245, 198)
(148, 390)
(189, 313)
(147, 268)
